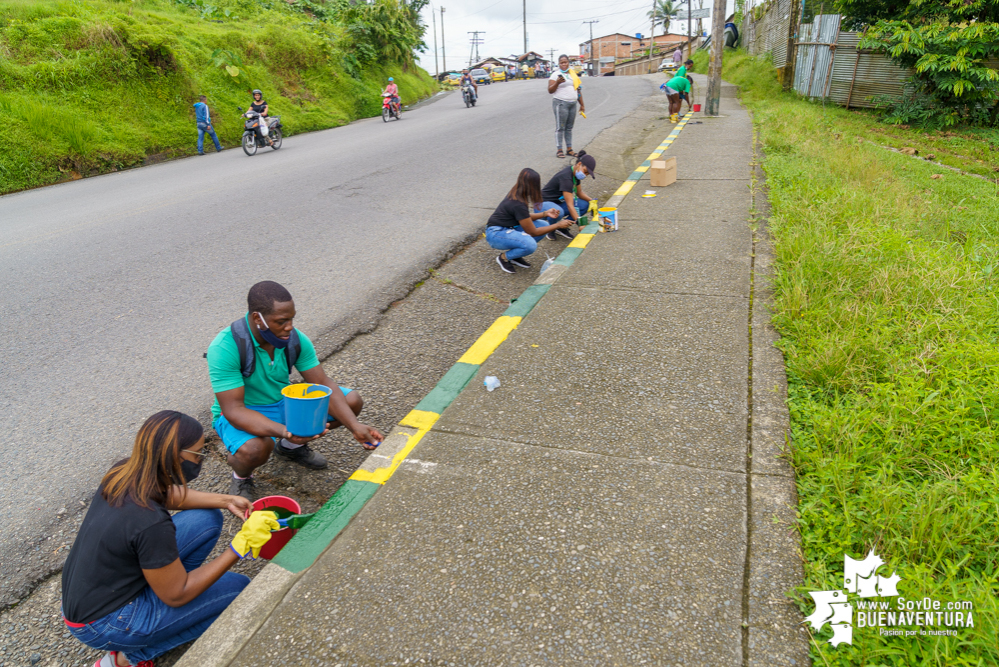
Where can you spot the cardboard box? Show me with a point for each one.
(662, 172)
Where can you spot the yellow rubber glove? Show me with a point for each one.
(592, 210)
(255, 533)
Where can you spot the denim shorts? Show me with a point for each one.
(233, 438)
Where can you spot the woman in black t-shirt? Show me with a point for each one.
(134, 582)
(511, 226)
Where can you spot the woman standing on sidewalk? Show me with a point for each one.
(567, 100)
(134, 582)
(511, 227)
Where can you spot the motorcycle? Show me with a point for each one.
(251, 138)
(468, 95)
(389, 109)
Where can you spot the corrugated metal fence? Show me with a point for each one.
(826, 61)
(770, 31)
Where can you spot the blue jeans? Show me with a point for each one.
(147, 627)
(206, 128)
(580, 209)
(514, 240)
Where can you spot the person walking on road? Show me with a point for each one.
(567, 100)
(511, 227)
(678, 55)
(673, 88)
(565, 191)
(249, 363)
(203, 117)
(135, 582)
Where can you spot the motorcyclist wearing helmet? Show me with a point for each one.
(260, 106)
(468, 80)
(392, 90)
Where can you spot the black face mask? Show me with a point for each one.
(190, 470)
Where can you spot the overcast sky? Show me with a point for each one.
(551, 24)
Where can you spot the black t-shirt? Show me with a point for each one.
(509, 213)
(104, 569)
(561, 182)
(258, 106)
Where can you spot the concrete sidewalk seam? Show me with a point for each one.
(687, 466)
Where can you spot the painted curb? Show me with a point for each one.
(223, 640)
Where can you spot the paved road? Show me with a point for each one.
(114, 286)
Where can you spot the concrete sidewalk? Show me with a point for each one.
(621, 499)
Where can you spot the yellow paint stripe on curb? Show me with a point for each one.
(636, 168)
(625, 188)
(490, 340)
(382, 475)
(420, 419)
(581, 240)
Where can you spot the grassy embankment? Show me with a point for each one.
(886, 297)
(91, 86)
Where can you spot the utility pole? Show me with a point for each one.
(593, 69)
(443, 44)
(525, 26)
(689, 22)
(475, 41)
(433, 15)
(652, 38)
(713, 94)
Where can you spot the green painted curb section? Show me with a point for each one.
(592, 228)
(568, 256)
(525, 303)
(311, 541)
(448, 388)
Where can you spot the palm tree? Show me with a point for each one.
(661, 15)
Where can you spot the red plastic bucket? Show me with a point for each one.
(697, 107)
(279, 538)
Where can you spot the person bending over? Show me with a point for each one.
(511, 227)
(135, 582)
(673, 88)
(249, 363)
(565, 190)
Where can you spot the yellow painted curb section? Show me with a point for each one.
(420, 419)
(625, 188)
(581, 240)
(490, 340)
(636, 168)
(382, 475)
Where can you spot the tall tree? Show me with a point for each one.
(662, 14)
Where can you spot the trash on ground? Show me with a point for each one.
(548, 263)
(491, 382)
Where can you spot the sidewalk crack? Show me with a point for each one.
(485, 295)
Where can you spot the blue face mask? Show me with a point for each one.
(269, 337)
(580, 175)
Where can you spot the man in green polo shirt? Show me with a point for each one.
(249, 411)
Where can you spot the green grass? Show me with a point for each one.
(886, 299)
(91, 86)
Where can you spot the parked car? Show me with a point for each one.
(668, 66)
(450, 80)
(481, 76)
(498, 73)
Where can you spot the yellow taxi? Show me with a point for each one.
(497, 73)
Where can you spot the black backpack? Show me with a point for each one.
(247, 351)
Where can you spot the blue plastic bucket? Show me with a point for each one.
(305, 410)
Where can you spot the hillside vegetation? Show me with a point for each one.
(92, 86)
